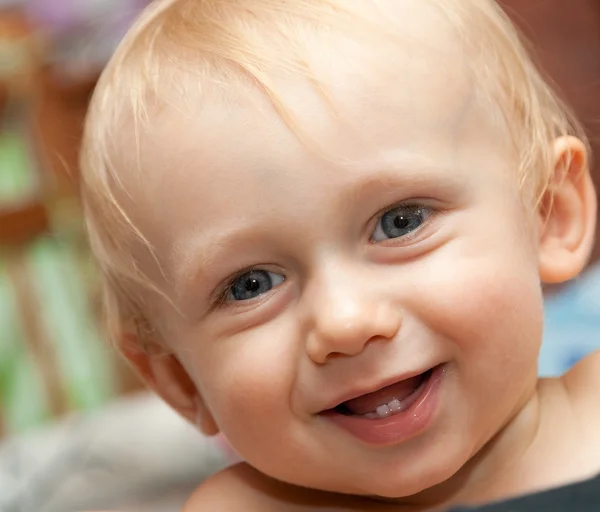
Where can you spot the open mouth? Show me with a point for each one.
(387, 401)
(392, 414)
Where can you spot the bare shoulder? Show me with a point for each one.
(243, 488)
(582, 384)
(231, 489)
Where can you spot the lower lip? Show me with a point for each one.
(399, 427)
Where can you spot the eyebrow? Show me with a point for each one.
(399, 176)
(205, 250)
(403, 169)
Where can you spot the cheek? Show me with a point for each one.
(487, 301)
(246, 380)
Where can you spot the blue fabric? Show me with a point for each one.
(572, 324)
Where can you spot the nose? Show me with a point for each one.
(347, 315)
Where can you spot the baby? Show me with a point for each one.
(323, 228)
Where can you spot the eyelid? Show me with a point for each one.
(405, 203)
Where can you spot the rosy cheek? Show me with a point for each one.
(248, 377)
(483, 302)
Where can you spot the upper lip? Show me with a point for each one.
(356, 392)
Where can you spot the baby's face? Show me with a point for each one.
(406, 263)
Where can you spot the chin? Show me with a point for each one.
(406, 482)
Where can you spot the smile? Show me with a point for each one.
(393, 413)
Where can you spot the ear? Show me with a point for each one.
(165, 375)
(567, 214)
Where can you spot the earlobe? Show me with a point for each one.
(165, 375)
(567, 214)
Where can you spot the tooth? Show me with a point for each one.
(383, 410)
(395, 405)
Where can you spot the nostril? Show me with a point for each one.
(376, 339)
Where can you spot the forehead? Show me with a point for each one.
(354, 82)
(364, 102)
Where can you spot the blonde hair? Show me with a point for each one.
(245, 41)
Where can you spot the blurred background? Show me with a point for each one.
(77, 431)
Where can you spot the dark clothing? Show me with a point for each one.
(579, 497)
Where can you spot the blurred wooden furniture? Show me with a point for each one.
(56, 123)
(19, 223)
(59, 116)
(22, 224)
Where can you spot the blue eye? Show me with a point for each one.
(252, 284)
(399, 222)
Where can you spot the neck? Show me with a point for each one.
(494, 472)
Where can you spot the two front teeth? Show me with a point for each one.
(383, 411)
